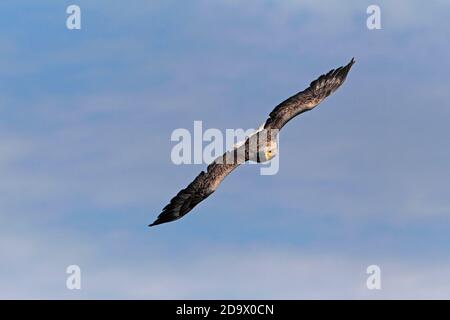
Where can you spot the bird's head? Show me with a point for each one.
(270, 150)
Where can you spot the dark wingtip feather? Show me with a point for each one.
(343, 71)
(340, 73)
(349, 65)
(163, 218)
(155, 223)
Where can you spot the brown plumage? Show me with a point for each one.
(309, 98)
(207, 182)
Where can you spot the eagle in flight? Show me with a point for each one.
(261, 146)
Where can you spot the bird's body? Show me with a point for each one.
(259, 147)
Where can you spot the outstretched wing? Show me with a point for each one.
(202, 186)
(309, 98)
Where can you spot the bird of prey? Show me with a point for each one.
(260, 146)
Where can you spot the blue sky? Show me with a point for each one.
(85, 123)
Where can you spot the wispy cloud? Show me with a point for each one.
(85, 124)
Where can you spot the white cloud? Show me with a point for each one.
(35, 268)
